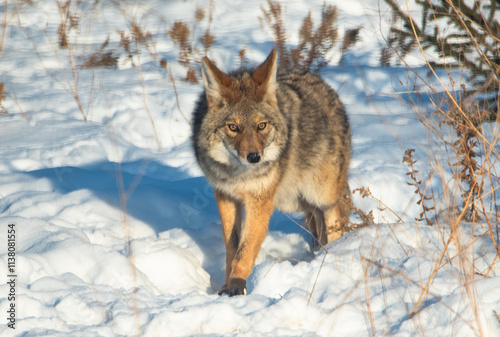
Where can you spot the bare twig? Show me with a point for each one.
(177, 96)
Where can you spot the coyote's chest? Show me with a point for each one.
(288, 198)
(287, 193)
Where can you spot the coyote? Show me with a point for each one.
(264, 140)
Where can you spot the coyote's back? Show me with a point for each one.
(266, 140)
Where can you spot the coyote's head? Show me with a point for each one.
(243, 114)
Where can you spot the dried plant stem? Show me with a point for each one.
(450, 96)
(128, 238)
(411, 281)
(365, 192)
(144, 100)
(317, 276)
(73, 66)
(397, 240)
(139, 37)
(438, 263)
(4, 24)
(177, 96)
(16, 102)
(492, 264)
(367, 292)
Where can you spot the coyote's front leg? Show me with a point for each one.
(242, 246)
(230, 215)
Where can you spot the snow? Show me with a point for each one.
(118, 236)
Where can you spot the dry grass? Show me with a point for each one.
(2, 97)
(124, 194)
(140, 38)
(464, 147)
(135, 40)
(366, 219)
(316, 44)
(457, 193)
(242, 54)
(180, 34)
(171, 76)
(70, 21)
(14, 11)
(184, 37)
(4, 24)
(419, 188)
(101, 58)
(496, 316)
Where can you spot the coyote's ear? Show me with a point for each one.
(216, 82)
(265, 76)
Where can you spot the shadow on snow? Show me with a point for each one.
(162, 197)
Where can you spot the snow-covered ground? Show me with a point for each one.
(118, 236)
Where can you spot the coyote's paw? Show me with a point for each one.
(237, 286)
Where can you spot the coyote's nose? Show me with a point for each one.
(253, 157)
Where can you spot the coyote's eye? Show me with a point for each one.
(261, 126)
(233, 127)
